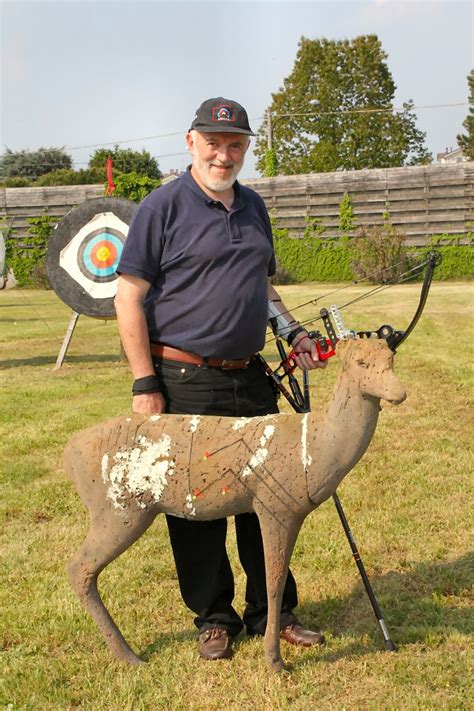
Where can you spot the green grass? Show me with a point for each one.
(408, 502)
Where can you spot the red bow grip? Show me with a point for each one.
(324, 352)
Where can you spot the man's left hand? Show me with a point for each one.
(306, 354)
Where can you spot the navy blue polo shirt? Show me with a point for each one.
(207, 267)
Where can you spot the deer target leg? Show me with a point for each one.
(279, 537)
(108, 537)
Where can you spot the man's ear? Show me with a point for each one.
(189, 140)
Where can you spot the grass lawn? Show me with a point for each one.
(409, 503)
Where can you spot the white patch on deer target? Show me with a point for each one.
(154, 418)
(194, 422)
(259, 456)
(190, 505)
(141, 470)
(105, 466)
(240, 423)
(305, 455)
(267, 433)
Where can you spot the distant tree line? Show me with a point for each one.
(53, 166)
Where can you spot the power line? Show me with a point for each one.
(126, 140)
(260, 118)
(368, 111)
(255, 118)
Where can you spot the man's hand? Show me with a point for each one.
(306, 354)
(148, 404)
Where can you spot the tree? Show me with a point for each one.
(466, 141)
(135, 187)
(315, 123)
(32, 164)
(126, 160)
(63, 176)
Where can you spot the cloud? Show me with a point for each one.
(390, 11)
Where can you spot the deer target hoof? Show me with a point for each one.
(276, 666)
(131, 659)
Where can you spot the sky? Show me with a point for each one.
(85, 74)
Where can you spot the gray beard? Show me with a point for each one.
(217, 186)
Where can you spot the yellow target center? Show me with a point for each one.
(103, 254)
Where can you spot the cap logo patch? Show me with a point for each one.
(223, 113)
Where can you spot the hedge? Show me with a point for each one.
(329, 260)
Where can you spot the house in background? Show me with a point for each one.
(172, 175)
(451, 156)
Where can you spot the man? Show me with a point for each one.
(192, 307)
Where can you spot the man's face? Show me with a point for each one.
(217, 157)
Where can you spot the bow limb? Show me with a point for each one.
(432, 261)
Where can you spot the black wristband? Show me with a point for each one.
(292, 335)
(148, 384)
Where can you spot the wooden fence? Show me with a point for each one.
(422, 200)
(17, 204)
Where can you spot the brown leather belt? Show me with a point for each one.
(157, 349)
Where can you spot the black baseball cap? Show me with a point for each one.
(221, 116)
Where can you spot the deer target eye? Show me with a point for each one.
(362, 363)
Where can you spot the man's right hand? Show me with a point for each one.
(148, 404)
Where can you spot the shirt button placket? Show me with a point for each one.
(234, 232)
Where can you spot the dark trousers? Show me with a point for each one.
(204, 573)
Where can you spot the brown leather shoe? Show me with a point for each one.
(295, 634)
(215, 644)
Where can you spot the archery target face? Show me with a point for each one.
(92, 256)
(84, 251)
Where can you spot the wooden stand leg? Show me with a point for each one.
(67, 340)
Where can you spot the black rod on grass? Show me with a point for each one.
(389, 645)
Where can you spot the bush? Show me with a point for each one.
(457, 260)
(16, 183)
(379, 254)
(133, 186)
(28, 260)
(63, 176)
(320, 259)
(312, 257)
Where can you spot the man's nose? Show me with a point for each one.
(223, 154)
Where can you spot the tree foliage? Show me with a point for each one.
(126, 160)
(466, 140)
(331, 80)
(63, 176)
(32, 164)
(135, 187)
